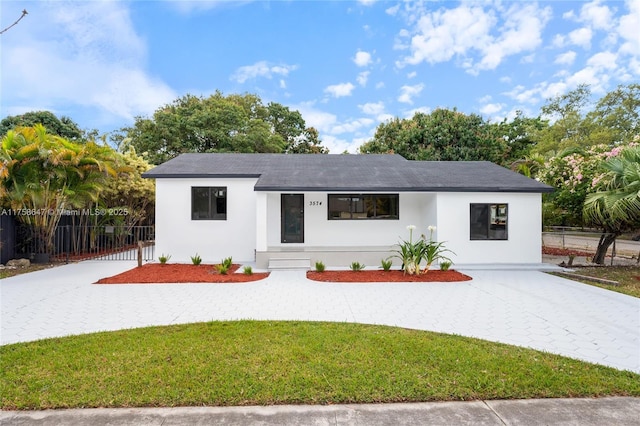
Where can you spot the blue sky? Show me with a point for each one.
(346, 66)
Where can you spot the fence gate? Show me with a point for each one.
(72, 243)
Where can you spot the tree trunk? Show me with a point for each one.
(603, 245)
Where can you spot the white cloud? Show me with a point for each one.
(566, 58)
(628, 29)
(351, 126)
(362, 78)
(581, 37)
(393, 10)
(412, 74)
(87, 55)
(340, 90)
(362, 59)
(596, 15)
(372, 108)
(468, 29)
(380, 85)
(411, 112)
(261, 69)
(313, 117)
(407, 93)
(366, 2)
(283, 84)
(491, 109)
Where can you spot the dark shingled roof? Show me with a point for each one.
(370, 172)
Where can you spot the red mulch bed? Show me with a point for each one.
(156, 273)
(554, 251)
(387, 276)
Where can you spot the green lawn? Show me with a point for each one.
(251, 362)
(626, 276)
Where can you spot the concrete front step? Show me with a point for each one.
(289, 263)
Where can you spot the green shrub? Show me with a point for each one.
(386, 264)
(357, 266)
(320, 266)
(445, 265)
(228, 262)
(222, 269)
(196, 260)
(164, 258)
(247, 270)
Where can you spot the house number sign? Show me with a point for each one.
(315, 203)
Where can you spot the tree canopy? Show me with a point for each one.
(443, 134)
(218, 123)
(63, 126)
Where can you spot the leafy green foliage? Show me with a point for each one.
(386, 264)
(446, 135)
(227, 262)
(320, 267)
(247, 270)
(412, 254)
(357, 266)
(164, 258)
(445, 265)
(196, 259)
(63, 126)
(233, 123)
(45, 174)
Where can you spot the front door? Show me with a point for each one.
(292, 218)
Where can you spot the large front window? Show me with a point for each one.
(209, 203)
(363, 206)
(488, 222)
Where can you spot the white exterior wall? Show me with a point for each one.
(415, 209)
(524, 224)
(181, 237)
(253, 223)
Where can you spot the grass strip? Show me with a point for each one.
(627, 277)
(270, 362)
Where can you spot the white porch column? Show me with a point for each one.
(261, 221)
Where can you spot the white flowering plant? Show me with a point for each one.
(412, 254)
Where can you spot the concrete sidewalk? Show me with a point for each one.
(619, 411)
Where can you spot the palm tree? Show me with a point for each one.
(615, 209)
(41, 175)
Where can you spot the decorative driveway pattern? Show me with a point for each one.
(519, 307)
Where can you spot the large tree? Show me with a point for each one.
(42, 175)
(218, 123)
(443, 134)
(63, 126)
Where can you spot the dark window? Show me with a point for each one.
(363, 206)
(208, 203)
(488, 222)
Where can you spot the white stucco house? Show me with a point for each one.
(291, 210)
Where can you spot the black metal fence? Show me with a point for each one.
(72, 242)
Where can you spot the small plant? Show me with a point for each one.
(445, 265)
(196, 260)
(247, 270)
(222, 269)
(320, 266)
(357, 266)
(228, 262)
(164, 258)
(386, 264)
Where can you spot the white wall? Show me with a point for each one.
(213, 240)
(415, 209)
(524, 244)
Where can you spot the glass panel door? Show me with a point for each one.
(292, 218)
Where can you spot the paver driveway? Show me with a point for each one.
(526, 308)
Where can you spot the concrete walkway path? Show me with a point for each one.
(520, 307)
(578, 412)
